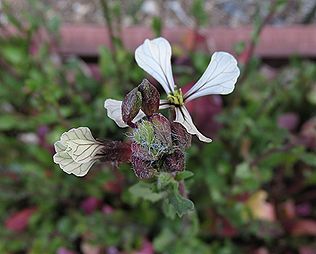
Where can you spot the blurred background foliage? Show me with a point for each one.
(253, 186)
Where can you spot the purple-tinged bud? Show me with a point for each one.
(180, 136)
(115, 151)
(150, 96)
(139, 152)
(143, 169)
(162, 129)
(175, 162)
(131, 106)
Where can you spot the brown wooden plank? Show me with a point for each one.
(275, 42)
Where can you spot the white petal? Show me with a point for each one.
(154, 57)
(114, 111)
(163, 104)
(83, 151)
(59, 147)
(79, 144)
(75, 133)
(183, 117)
(219, 77)
(68, 165)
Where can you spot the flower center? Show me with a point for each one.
(176, 98)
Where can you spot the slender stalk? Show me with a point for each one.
(113, 38)
(254, 39)
(265, 155)
(108, 20)
(182, 189)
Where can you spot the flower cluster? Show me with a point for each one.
(154, 56)
(157, 144)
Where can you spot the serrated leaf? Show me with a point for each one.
(164, 179)
(180, 204)
(184, 175)
(168, 209)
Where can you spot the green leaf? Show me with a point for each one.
(168, 209)
(243, 171)
(106, 63)
(181, 205)
(164, 179)
(198, 11)
(309, 159)
(163, 240)
(184, 175)
(145, 191)
(15, 55)
(156, 25)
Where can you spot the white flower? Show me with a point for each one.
(154, 57)
(77, 151)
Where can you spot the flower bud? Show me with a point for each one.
(131, 106)
(142, 161)
(162, 129)
(174, 162)
(180, 136)
(141, 152)
(142, 168)
(115, 152)
(151, 97)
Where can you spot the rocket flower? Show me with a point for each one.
(156, 143)
(154, 57)
(77, 151)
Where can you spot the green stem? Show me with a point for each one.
(113, 38)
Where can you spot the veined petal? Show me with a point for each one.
(68, 165)
(219, 77)
(74, 133)
(79, 144)
(114, 111)
(163, 104)
(183, 117)
(83, 151)
(59, 147)
(154, 57)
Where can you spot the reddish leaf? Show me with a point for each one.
(288, 121)
(288, 210)
(107, 209)
(193, 40)
(147, 248)
(90, 204)
(303, 227)
(88, 248)
(63, 250)
(307, 250)
(304, 209)
(18, 221)
(261, 250)
(308, 133)
(115, 185)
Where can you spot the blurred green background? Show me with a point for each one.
(253, 186)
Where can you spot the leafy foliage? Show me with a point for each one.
(256, 153)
